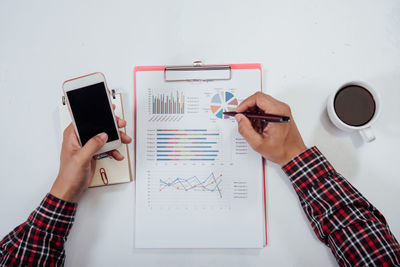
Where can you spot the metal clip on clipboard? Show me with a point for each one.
(197, 73)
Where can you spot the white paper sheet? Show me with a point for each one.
(198, 183)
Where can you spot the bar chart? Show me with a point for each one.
(173, 103)
(187, 144)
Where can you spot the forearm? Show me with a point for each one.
(342, 218)
(40, 240)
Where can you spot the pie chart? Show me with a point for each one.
(221, 102)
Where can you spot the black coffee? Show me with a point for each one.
(354, 105)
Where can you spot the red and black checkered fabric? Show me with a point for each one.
(342, 218)
(40, 240)
(355, 231)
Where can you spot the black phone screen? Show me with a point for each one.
(92, 112)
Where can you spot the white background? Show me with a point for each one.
(307, 48)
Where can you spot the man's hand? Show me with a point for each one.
(280, 142)
(77, 164)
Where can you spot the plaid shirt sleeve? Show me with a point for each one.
(40, 240)
(355, 231)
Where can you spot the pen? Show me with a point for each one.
(265, 117)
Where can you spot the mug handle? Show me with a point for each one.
(367, 134)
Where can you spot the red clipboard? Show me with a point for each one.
(197, 65)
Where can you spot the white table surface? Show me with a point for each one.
(307, 48)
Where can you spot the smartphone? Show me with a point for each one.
(90, 107)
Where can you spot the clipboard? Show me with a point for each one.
(197, 66)
(197, 73)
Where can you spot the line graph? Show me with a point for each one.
(196, 188)
(211, 183)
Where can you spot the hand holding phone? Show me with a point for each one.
(89, 104)
(77, 164)
(90, 107)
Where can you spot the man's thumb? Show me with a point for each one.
(247, 131)
(93, 145)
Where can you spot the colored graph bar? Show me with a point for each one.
(184, 146)
(184, 159)
(181, 138)
(182, 130)
(183, 151)
(186, 155)
(186, 142)
(161, 134)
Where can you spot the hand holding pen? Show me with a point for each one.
(259, 119)
(260, 115)
(279, 142)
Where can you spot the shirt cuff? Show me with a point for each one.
(306, 169)
(54, 215)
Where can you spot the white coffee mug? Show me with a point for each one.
(365, 130)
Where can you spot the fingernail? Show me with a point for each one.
(238, 117)
(103, 136)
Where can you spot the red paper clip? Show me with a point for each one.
(103, 175)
